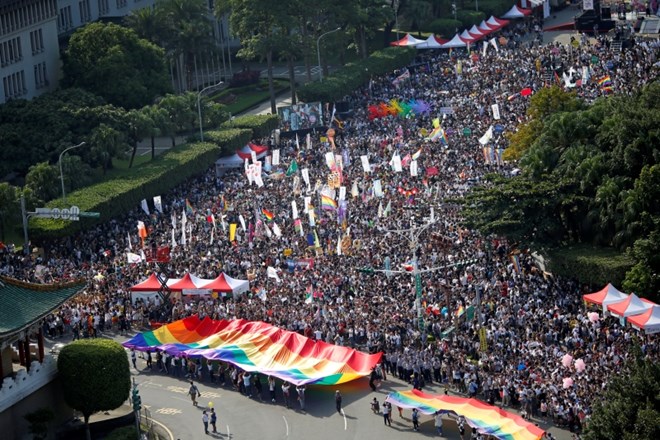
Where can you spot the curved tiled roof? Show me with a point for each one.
(22, 304)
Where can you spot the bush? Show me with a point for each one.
(591, 265)
(354, 76)
(445, 27)
(244, 78)
(229, 140)
(125, 433)
(494, 7)
(261, 125)
(119, 195)
(468, 18)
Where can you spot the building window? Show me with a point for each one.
(40, 75)
(85, 12)
(37, 41)
(122, 4)
(104, 7)
(10, 52)
(14, 85)
(64, 20)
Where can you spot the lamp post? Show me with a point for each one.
(199, 108)
(318, 50)
(60, 163)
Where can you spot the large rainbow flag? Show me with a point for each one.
(257, 346)
(488, 419)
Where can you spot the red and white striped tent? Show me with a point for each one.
(475, 31)
(648, 321)
(486, 29)
(189, 282)
(467, 37)
(516, 12)
(496, 23)
(432, 42)
(633, 305)
(457, 41)
(226, 284)
(408, 40)
(151, 284)
(607, 295)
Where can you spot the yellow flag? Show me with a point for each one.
(436, 123)
(232, 231)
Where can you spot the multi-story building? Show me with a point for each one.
(29, 49)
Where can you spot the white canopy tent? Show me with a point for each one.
(457, 41)
(516, 12)
(432, 42)
(408, 40)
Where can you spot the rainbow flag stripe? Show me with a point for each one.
(269, 215)
(605, 81)
(328, 202)
(488, 419)
(257, 346)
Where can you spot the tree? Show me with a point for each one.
(95, 376)
(139, 126)
(630, 407)
(107, 142)
(43, 179)
(180, 114)
(158, 117)
(9, 207)
(113, 62)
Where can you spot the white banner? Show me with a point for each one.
(587, 5)
(396, 163)
(483, 140)
(158, 204)
(308, 201)
(354, 189)
(294, 210)
(242, 220)
(413, 168)
(144, 206)
(276, 157)
(132, 258)
(312, 221)
(496, 111)
(254, 156)
(365, 164)
(305, 176)
(342, 193)
(378, 189)
(330, 159)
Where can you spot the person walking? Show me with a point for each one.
(415, 419)
(387, 411)
(438, 422)
(338, 401)
(247, 384)
(194, 393)
(301, 396)
(205, 421)
(271, 388)
(214, 420)
(134, 358)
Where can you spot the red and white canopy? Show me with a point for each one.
(485, 29)
(648, 321)
(607, 295)
(475, 31)
(189, 282)
(246, 151)
(457, 41)
(494, 22)
(227, 284)
(432, 42)
(408, 40)
(516, 12)
(151, 284)
(633, 305)
(465, 36)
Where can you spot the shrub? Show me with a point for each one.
(445, 27)
(468, 18)
(125, 433)
(261, 125)
(590, 265)
(244, 78)
(229, 140)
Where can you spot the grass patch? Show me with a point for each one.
(239, 99)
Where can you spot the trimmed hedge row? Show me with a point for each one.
(591, 265)
(123, 193)
(261, 125)
(229, 140)
(355, 75)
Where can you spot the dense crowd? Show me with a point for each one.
(531, 319)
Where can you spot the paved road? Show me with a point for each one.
(240, 417)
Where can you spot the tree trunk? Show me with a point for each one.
(271, 87)
(130, 162)
(173, 137)
(387, 33)
(153, 147)
(88, 433)
(363, 43)
(292, 80)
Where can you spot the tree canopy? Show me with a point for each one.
(114, 63)
(95, 376)
(589, 175)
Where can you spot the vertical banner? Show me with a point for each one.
(253, 154)
(413, 168)
(396, 163)
(496, 111)
(232, 232)
(365, 164)
(144, 206)
(276, 157)
(308, 140)
(342, 193)
(268, 161)
(294, 209)
(308, 201)
(158, 204)
(242, 220)
(378, 189)
(330, 160)
(305, 176)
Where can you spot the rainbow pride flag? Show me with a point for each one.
(259, 347)
(605, 81)
(269, 215)
(328, 202)
(189, 208)
(488, 419)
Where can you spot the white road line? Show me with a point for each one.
(287, 426)
(345, 422)
(228, 433)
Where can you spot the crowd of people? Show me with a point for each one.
(524, 320)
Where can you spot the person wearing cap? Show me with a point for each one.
(338, 401)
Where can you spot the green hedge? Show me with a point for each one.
(468, 18)
(229, 140)
(124, 192)
(445, 27)
(125, 433)
(591, 265)
(353, 76)
(261, 125)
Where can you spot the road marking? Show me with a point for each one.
(162, 426)
(210, 395)
(345, 422)
(168, 411)
(228, 433)
(181, 390)
(287, 426)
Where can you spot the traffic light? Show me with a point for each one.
(137, 400)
